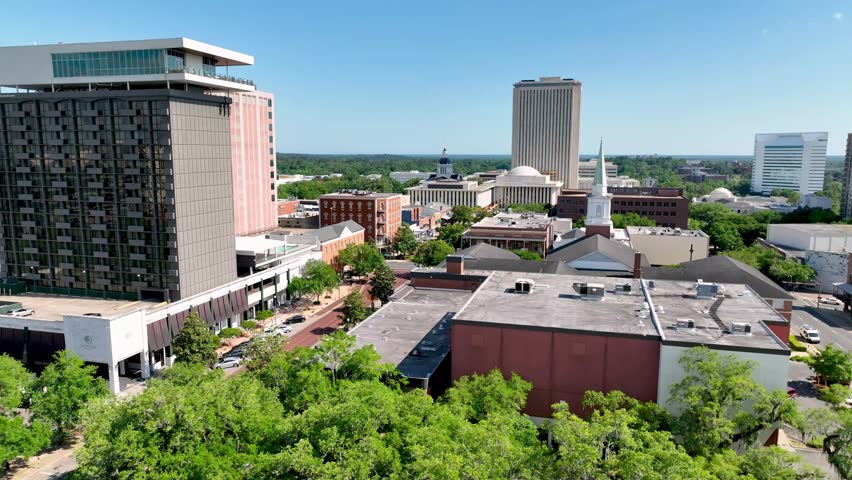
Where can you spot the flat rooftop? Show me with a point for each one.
(816, 228)
(413, 332)
(665, 231)
(52, 307)
(349, 195)
(514, 220)
(555, 304)
(714, 317)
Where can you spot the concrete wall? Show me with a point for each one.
(771, 370)
(670, 249)
(803, 239)
(561, 366)
(830, 268)
(204, 206)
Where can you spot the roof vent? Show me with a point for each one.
(590, 291)
(623, 289)
(741, 327)
(652, 284)
(524, 285)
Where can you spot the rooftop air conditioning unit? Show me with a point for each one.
(741, 327)
(652, 284)
(523, 285)
(623, 289)
(685, 323)
(590, 291)
(706, 290)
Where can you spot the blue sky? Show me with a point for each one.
(412, 77)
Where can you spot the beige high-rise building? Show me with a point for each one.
(546, 127)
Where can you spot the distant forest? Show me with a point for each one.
(353, 165)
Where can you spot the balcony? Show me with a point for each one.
(206, 73)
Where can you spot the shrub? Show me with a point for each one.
(796, 345)
(230, 333)
(264, 314)
(816, 442)
(248, 324)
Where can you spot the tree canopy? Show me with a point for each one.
(354, 309)
(196, 343)
(432, 252)
(363, 259)
(632, 219)
(382, 285)
(404, 242)
(452, 233)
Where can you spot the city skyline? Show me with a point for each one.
(406, 79)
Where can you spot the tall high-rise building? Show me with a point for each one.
(846, 198)
(546, 127)
(116, 167)
(789, 161)
(253, 161)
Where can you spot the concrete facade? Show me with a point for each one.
(846, 197)
(452, 192)
(524, 185)
(546, 127)
(790, 161)
(668, 246)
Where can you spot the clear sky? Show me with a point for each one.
(412, 77)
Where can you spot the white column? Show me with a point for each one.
(121, 369)
(114, 386)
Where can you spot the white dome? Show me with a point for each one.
(720, 194)
(524, 171)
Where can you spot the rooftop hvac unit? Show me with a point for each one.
(590, 291)
(741, 327)
(623, 288)
(523, 285)
(685, 323)
(706, 290)
(652, 284)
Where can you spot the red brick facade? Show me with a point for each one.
(562, 366)
(378, 213)
(666, 206)
(286, 207)
(331, 250)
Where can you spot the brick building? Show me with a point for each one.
(288, 207)
(378, 213)
(513, 231)
(665, 205)
(331, 239)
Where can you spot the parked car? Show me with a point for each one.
(829, 301)
(21, 312)
(235, 353)
(284, 329)
(296, 319)
(810, 334)
(229, 362)
(792, 393)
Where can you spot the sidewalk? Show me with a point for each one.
(53, 464)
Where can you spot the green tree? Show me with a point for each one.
(319, 277)
(229, 333)
(790, 270)
(62, 390)
(527, 255)
(452, 233)
(477, 396)
(529, 208)
(404, 242)
(14, 382)
(363, 259)
(818, 422)
(354, 310)
(264, 315)
(17, 439)
(713, 396)
(461, 214)
(775, 463)
(632, 219)
(835, 393)
(432, 253)
(261, 350)
(758, 257)
(383, 284)
(833, 365)
(196, 343)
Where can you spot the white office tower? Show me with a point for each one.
(789, 161)
(546, 127)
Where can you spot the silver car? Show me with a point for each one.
(229, 362)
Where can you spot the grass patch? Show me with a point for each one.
(796, 345)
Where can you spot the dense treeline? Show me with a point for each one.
(335, 412)
(353, 165)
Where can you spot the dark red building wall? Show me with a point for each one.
(665, 211)
(561, 366)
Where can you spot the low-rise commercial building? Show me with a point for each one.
(669, 246)
(513, 231)
(588, 167)
(823, 247)
(665, 205)
(453, 192)
(404, 177)
(378, 213)
(330, 240)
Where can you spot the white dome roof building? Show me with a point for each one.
(720, 194)
(524, 184)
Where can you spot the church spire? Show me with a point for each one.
(600, 172)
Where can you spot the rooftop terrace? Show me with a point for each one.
(52, 307)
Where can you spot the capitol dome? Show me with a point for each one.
(524, 172)
(720, 194)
